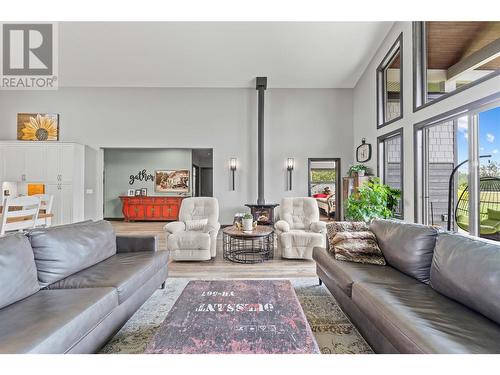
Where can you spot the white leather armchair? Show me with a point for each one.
(194, 236)
(299, 230)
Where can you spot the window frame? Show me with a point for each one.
(381, 163)
(469, 109)
(396, 47)
(420, 71)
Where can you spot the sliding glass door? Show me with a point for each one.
(458, 172)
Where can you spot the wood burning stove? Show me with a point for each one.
(263, 213)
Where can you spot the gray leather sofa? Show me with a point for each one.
(439, 293)
(68, 289)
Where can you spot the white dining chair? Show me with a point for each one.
(19, 214)
(46, 204)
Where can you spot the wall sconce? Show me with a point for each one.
(290, 165)
(233, 165)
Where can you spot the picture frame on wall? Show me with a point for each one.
(172, 181)
(37, 127)
(131, 192)
(137, 192)
(144, 192)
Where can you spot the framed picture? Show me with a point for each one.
(176, 181)
(144, 192)
(37, 127)
(137, 192)
(131, 192)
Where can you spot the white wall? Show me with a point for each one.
(365, 110)
(300, 123)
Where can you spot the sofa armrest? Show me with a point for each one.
(174, 227)
(130, 243)
(282, 226)
(318, 227)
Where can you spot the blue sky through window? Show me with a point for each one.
(489, 136)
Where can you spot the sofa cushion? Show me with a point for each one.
(62, 251)
(53, 321)
(358, 247)
(345, 274)
(18, 278)
(126, 272)
(406, 247)
(468, 270)
(188, 241)
(417, 319)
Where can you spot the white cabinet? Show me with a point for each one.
(62, 207)
(67, 166)
(60, 166)
(34, 163)
(23, 163)
(61, 163)
(53, 169)
(13, 163)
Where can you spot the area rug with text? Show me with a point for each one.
(235, 316)
(333, 331)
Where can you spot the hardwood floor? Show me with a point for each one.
(219, 268)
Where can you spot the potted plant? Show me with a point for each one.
(247, 222)
(358, 169)
(372, 200)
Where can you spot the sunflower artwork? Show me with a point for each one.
(37, 127)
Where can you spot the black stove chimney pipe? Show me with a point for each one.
(261, 86)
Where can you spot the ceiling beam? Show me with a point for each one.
(482, 56)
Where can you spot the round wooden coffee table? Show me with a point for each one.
(248, 247)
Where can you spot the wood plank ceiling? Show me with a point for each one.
(451, 42)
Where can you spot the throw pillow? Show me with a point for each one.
(343, 226)
(358, 247)
(196, 225)
(320, 196)
(493, 214)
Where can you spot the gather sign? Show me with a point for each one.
(142, 176)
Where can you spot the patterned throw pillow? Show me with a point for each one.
(354, 242)
(343, 226)
(196, 224)
(358, 247)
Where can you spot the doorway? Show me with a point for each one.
(323, 185)
(202, 172)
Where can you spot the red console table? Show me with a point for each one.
(151, 208)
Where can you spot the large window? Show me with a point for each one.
(390, 163)
(458, 170)
(451, 56)
(390, 86)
